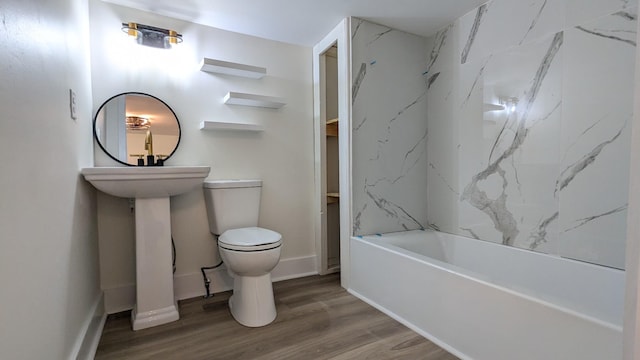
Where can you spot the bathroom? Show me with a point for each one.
(56, 260)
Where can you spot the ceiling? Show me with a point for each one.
(305, 22)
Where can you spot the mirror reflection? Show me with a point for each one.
(135, 128)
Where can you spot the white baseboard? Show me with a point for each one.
(294, 268)
(87, 342)
(118, 299)
(191, 285)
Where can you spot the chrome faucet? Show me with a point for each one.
(148, 143)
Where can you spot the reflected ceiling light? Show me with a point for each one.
(509, 103)
(152, 36)
(492, 107)
(138, 123)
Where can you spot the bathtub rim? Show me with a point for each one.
(473, 276)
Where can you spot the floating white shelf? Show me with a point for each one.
(229, 68)
(236, 98)
(222, 125)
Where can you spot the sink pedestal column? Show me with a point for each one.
(155, 302)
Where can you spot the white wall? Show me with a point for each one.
(282, 155)
(48, 238)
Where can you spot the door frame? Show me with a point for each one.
(339, 36)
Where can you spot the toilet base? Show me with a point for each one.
(252, 302)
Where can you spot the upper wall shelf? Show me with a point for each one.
(236, 98)
(222, 125)
(230, 68)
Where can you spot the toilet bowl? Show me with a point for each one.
(249, 252)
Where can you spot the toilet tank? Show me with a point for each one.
(232, 204)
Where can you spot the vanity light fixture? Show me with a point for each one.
(138, 123)
(152, 36)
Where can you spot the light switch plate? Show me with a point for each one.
(72, 104)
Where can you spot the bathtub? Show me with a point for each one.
(485, 301)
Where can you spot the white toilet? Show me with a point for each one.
(249, 252)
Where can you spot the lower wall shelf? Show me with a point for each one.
(222, 125)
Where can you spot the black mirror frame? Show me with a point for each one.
(95, 118)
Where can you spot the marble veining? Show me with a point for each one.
(379, 35)
(584, 221)
(512, 119)
(432, 79)
(384, 140)
(393, 210)
(414, 155)
(474, 31)
(496, 209)
(626, 15)
(358, 23)
(516, 176)
(618, 31)
(357, 218)
(439, 175)
(407, 107)
(539, 235)
(568, 174)
(359, 125)
(471, 232)
(582, 134)
(440, 41)
(358, 81)
(612, 37)
(534, 22)
(476, 81)
(512, 122)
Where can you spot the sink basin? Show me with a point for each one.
(146, 181)
(152, 188)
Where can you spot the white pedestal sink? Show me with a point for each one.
(151, 187)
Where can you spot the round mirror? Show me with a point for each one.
(130, 127)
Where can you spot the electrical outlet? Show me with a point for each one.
(72, 104)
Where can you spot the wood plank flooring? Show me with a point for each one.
(317, 319)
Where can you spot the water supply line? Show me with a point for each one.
(207, 281)
(173, 255)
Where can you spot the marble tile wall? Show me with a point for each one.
(548, 172)
(389, 129)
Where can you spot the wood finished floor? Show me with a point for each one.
(317, 319)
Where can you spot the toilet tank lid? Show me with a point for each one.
(227, 184)
(249, 236)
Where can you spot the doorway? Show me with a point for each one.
(332, 111)
(332, 159)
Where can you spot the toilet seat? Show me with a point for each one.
(250, 239)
